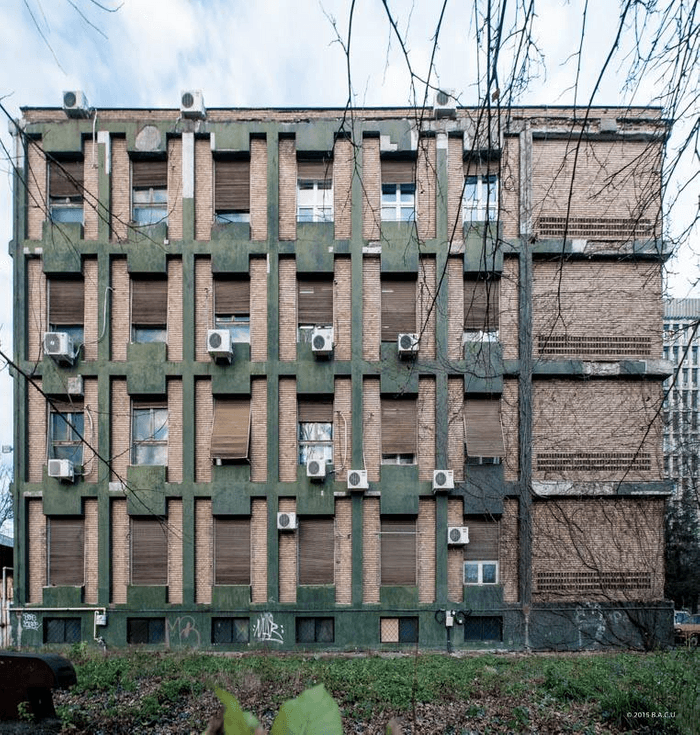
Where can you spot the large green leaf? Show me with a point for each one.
(236, 721)
(313, 712)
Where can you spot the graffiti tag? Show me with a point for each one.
(265, 629)
(30, 621)
(182, 631)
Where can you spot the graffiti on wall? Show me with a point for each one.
(30, 621)
(266, 629)
(182, 631)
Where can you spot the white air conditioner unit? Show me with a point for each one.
(192, 104)
(445, 103)
(219, 344)
(408, 345)
(75, 104)
(59, 345)
(286, 521)
(61, 469)
(357, 480)
(443, 480)
(322, 341)
(316, 469)
(457, 535)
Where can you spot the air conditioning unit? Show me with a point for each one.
(59, 345)
(75, 104)
(316, 469)
(61, 469)
(443, 480)
(457, 535)
(192, 104)
(219, 344)
(322, 341)
(286, 521)
(357, 480)
(408, 345)
(445, 103)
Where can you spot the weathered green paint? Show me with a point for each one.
(483, 490)
(60, 253)
(146, 490)
(400, 489)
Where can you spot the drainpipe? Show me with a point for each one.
(5, 610)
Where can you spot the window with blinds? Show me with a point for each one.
(398, 308)
(232, 307)
(66, 427)
(149, 182)
(149, 309)
(399, 430)
(66, 552)
(230, 436)
(398, 551)
(232, 190)
(481, 553)
(314, 303)
(316, 545)
(481, 305)
(398, 190)
(66, 297)
(314, 190)
(149, 551)
(66, 190)
(231, 551)
(315, 418)
(482, 430)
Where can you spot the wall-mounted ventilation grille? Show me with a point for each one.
(595, 228)
(565, 582)
(566, 344)
(593, 461)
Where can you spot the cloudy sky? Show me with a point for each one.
(282, 53)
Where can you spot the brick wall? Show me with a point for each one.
(342, 428)
(204, 421)
(371, 563)
(258, 550)
(508, 309)
(455, 186)
(119, 552)
(426, 307)
(508, 555)
(258, 429)
(36, 439)
(120, 299)
(342, 308)
(372, 427)
(426, 428)
(509, 188)
(288, 458)
(343, 169)
(175, 309)
(175, 230)
(287, 556)
(175, 542)
(455, 427)
(258, 189)
(91, 547)
(92, 315)
(288, 309)
(510, 422)
(203, 551)
(343, 551)
(371, 189)
(175, 419)
(455, 554)
(455, 308)
(203, 306)
(258, 309)
(36, 189)
(425, 528)
(121, 429)
(91, 211)
(287, 189)
(371, 308)
(36, 550)
(426, 185)
(203, 188)
(36, 308)
(93, 466)
(121, 190)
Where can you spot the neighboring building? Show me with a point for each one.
(309, 377)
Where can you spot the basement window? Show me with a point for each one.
(145, 630)
(483, 628)
(61, 630)
(230, 630)
(315, 630)
(398, 630)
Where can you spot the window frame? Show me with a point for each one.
(149, 192)
(398, 202)
(319, 622)
(232, 308)
(74, 430)
(316, 564)
(238, 527)
(147, 574)
(67, 177)
(74, 623)
(231, 190)
(393, 576)
(483, 205)
(232, 639)
(71, 561)
(480, 572)
(155, 631)
(148, 310)
(315, 433)
(155, 426)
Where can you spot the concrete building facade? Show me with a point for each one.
(305, 378)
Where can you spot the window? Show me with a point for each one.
(149, 180)
(483, 432)
(315, 630)
(399, 430)
(398, 630)
(481, 553)
(398, 550)
(315, 417)
(231, 190)
(149, 433)
(315, 191)
(230, 437)
(480, 201)
(316, 545)
(67, 307)
(684, 374)
(66, 191)
(232, 551)
(66, 426)
(61, 630)
(481, 305)
(149, 310)
(66, 550)
(314, 305)
(149, 551)
(145, 630)
(483, 628)
(398, 308)
(230, 630)
(232, 307)
(694, 353)
(398, 191)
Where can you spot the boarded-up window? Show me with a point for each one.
(66, 179)
(230, 436)
(231, 296)
(399, 425)
(398, 549)
(316, 551)
(483, 432)
(66, 551)
(149, 551)
(315, 301)
(66, 301)
(481, 305)
(398, 308)
(232, 550)
(149, 301)
(232, 186)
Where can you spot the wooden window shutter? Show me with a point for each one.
(149, 174)
(483, 540)
(398, 549)
(398, 308)
(232, 186)
(399, 425)
(230, 436)
(149, 551)
(66, 301)
(315, 301)
(149, 301)
(66, 551)
(484, 435)
(66, 178)
(315, 410)
(398, 172)
(481, 304)
(232, 296)
(232, 550)
(315, 170)
(316, 551)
